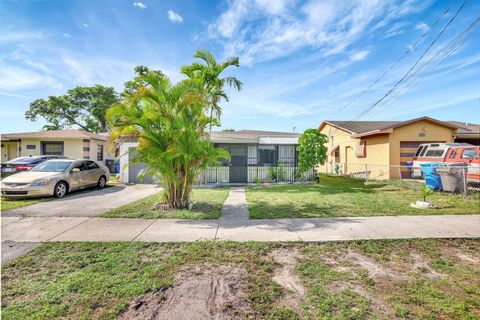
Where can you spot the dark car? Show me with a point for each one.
(24, 164)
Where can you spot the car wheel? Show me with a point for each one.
(60, 189)
(102, 182)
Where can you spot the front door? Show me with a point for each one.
(238, 164)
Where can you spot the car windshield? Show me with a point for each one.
(52, 166)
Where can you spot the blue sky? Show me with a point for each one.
(301, 61)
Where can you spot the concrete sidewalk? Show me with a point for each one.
(21, 234)
(43, 229)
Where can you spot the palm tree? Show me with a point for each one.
(208, 75)
(169, 122)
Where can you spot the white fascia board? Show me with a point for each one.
(277, 140)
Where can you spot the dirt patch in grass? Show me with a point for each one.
(468, 258)
(378, 306)
(374, 269)
(420, 264)
(199, 292)
(286, 277)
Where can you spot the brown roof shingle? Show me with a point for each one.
(363, 128)
(60, 134)
(356, 127)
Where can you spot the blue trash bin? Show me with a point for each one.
(432, 179)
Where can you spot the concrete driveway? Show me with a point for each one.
(86, 204)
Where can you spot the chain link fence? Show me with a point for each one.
(455, 178)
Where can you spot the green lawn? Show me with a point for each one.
(419, 279)
(207, 204)
(7, 204)
(342, 197)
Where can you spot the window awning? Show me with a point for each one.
(332, 150)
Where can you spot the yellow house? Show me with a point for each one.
(75, 144)
(379, 149)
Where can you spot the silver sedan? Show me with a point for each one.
(57, 178)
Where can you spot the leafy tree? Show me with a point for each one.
(208, 74)
(170, 122)
(133, 85)
(82, 106)
(311, 149)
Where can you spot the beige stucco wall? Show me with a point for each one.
(382, 150)
(107, 154)
(72, 148)
(433, 132)
(377, 153)
(9, 151)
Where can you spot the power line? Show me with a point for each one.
(441, 55)
(399, 82)
(394, 64)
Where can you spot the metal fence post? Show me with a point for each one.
(400, 175)
(464, 176)
(366, 172)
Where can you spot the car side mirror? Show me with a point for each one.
(74, 170)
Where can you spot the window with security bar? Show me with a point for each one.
(54, 148)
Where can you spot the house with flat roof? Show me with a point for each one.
(75, 144)
(253, 155)
(379, 148)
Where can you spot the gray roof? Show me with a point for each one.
(466, 128)
(253, 136)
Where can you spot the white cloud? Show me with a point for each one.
(12, 95)
(13, 36)
(38, 65)
(260, 31)
(174, 16)
(394, 30)
(88, 70)
(360, 55)
(85, 25)
(422, 26)
(66, 35)
(18, 78)
(140, 5)
(275, 6)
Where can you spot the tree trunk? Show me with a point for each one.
(177, 193)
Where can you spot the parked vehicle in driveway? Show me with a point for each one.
(470, 155)
(431, 152)
(24, 164)
(56, 177)
(448, 154)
